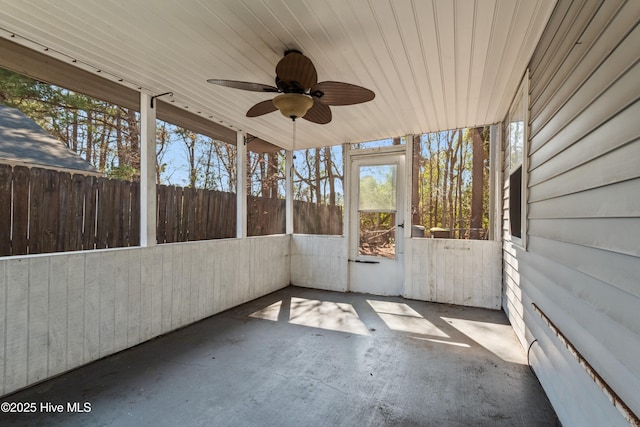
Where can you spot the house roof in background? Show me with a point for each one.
(24, 142)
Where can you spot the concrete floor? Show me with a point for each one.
(302, 357)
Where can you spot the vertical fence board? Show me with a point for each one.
(124, 213)
(90, 190)
(50, 208)
(65, 214)
(188, 214)
(36, 192)
(161, 215)
(172, 216)
(134, 233)
(200, 220)
(211, 229)
(6, 177)
(76, 213)
(20, 233)
(115, 218)
(104, 215)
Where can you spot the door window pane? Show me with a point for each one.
(377, 188)
(377, 234)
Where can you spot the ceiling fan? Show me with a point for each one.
(300, 93)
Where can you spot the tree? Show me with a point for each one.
(445, 164)
(84, 124)
(477, 185)
(415, 187)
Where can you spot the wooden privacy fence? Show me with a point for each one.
(187, 214)
(309, 218)
(268, 216)
(44, 211)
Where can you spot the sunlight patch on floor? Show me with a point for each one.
(400, 317)
(456, 344)
(492, 336)
(270, 312)
(334, 316)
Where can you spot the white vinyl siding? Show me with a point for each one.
(582, 264)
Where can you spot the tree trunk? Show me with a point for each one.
(477, 182)
(134, 138)
(89, 151)
(208, 179)
(461, 169)
(453, 159)
(122, 155)
(273, 174)
(317, 177)
(329, 167)
(264, 186)
(416, 217)
(430, 187)
(104, 146)
(74, 132)
(457, 196)
(161, 144)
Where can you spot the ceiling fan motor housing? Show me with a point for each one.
(293, 105)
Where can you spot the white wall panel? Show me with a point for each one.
(75, 309)
(58, 322)
(17, 325)
(38, 315)
(319, 262)
(463, 272)
(64, 310)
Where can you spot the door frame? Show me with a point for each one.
(384, 155)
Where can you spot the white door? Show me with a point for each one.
(376, 247)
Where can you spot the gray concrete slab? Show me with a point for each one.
(302, 357)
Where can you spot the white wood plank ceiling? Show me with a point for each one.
(433, 64)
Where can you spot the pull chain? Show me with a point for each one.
(293, 148)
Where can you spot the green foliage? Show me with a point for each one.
(376, 192)
(125, 172)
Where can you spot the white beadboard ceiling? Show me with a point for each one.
(433, 64)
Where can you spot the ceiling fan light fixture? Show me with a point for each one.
(293, 105)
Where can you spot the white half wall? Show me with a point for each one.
(319, 262)
(64, 310)
(463, 272)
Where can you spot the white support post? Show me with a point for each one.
(288, 164)
(408, 173)
(241, 186)
(495, 179)
(346, 186)
(147, 172)
(346, 225)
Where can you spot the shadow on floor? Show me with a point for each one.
(304, 357)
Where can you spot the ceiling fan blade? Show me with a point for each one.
(339, 93)
(295, 67)
(254, 87)
(319, 113)
(261, 108)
